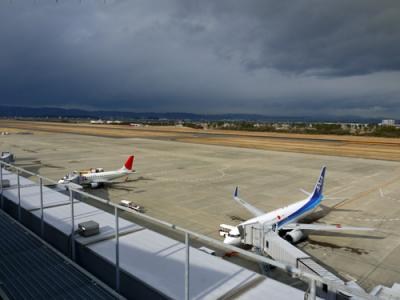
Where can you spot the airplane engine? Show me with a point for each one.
(94, 185)
(294, 236)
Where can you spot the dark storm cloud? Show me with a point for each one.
(270, 57)
(322, 37)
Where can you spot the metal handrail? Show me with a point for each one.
(293, 271)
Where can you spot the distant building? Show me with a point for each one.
(388, 122)
(97, 121)
(281, 126)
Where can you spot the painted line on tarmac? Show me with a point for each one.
(370, 219)
(194, 180)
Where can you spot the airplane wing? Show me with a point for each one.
(305, 192)
(324, 227)
(255, 211)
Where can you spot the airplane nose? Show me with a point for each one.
(227, 240)
(231, 241)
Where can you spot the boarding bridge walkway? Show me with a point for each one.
(268, 242)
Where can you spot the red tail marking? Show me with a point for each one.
(129, 162)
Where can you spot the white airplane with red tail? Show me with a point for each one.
(96, 177)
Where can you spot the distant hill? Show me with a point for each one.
(50, 112)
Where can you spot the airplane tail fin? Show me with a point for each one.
(236, 193)
(129, 163)
(319, 186)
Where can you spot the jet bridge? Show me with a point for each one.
(270, 243)
(266, 241)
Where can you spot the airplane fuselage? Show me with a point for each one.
(103, 176)
(290, 213)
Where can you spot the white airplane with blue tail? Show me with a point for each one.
(284, 220)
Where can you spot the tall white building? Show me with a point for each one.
(389, 122)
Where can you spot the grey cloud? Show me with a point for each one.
(308, 36)
(270, 57)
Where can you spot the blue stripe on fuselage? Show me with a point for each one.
(311, 204)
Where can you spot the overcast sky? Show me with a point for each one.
(303, 57)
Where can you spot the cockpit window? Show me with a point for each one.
(233, 235)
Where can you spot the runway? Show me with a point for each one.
(347, 146)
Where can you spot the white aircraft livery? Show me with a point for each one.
(283, 220)
(96, 177)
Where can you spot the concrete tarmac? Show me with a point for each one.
(191, 185)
